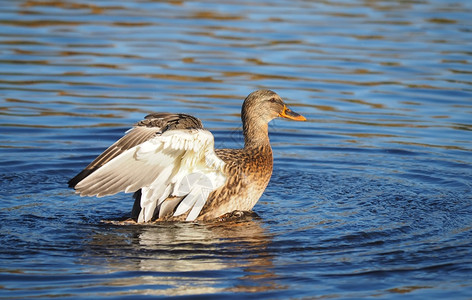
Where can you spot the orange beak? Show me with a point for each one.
(289, 114)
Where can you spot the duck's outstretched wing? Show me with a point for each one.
(162, 155)
(151, 126)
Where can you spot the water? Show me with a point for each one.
(371, 197)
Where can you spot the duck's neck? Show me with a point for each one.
(256, 134)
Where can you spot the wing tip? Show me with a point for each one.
(72, 183)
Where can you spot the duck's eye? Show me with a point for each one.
(272, 100)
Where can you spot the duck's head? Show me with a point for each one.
(266, 105)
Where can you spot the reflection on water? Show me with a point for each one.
(370, 197)
(174, 257)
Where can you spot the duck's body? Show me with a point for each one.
(249, 171)
(169, 161)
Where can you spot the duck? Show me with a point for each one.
(170, 164)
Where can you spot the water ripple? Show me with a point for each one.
(369, 197)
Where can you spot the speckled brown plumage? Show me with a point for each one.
(247, 171)
(168, 121)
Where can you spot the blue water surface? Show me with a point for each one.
(371, 197)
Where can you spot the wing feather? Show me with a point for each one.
(158, 166)
(153, 125)
(197, 208)
(133, 137)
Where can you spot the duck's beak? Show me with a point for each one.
(287, 113)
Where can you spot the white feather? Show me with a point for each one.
(199, 203)
(157, 167)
